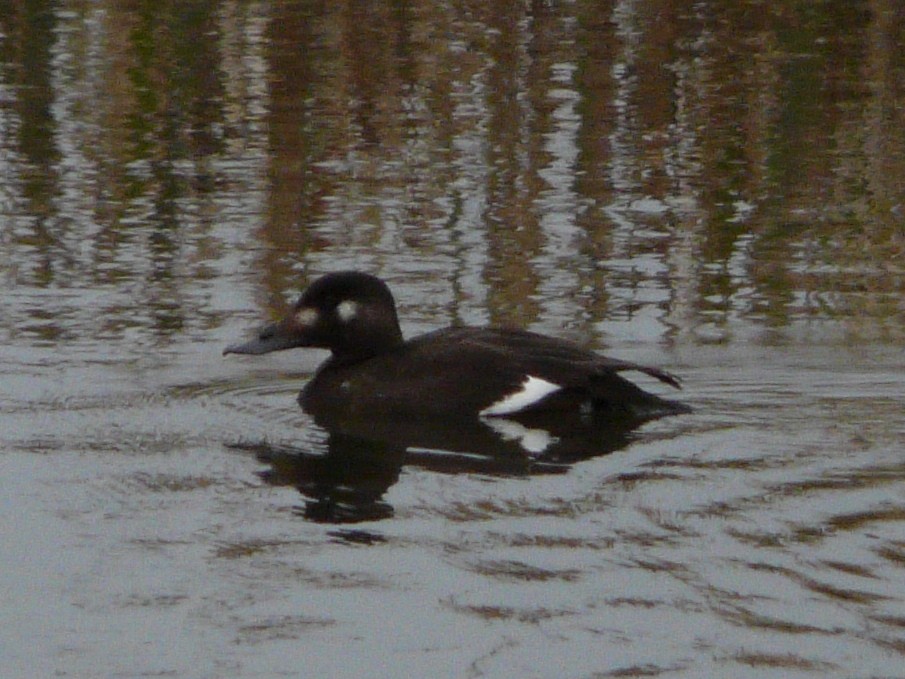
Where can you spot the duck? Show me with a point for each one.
(463, 372)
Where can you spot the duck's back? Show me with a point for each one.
(477, 372)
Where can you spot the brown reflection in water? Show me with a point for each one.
(513, 158)
(130, 128)
(297, 139)
(562, 164)
(28, 131)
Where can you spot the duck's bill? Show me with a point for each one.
(274, 337)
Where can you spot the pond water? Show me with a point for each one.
(712, 188)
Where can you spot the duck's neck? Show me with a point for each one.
(356, 346)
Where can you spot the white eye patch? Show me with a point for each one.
(306, 317)
(346, 310)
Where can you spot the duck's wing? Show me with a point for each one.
(551, 358)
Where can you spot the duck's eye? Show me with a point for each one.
(346, 310)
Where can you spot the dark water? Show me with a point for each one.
(714, 188)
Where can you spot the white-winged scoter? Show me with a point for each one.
(456, 372)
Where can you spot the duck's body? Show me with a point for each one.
(465, 371)
(461, 372)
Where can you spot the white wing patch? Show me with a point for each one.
(533, 390)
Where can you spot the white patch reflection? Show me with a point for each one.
(534, 441)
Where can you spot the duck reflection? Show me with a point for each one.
(344, 484)
(346, 480)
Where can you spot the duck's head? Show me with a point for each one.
(350, 313)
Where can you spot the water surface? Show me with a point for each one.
(713, 188)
